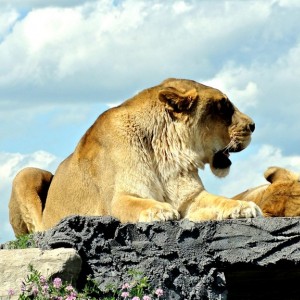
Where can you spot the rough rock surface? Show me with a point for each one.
(65, 263)
(231, 259)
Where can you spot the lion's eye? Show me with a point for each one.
(225, 109)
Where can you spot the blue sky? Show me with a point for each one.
(62, 63)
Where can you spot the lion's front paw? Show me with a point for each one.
(241, 209)
(159, 212)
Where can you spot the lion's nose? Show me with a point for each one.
(252, 127)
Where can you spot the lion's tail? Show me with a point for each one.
(28, 199)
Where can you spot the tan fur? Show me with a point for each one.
(280, 198)
(28, 199)
(139, 161)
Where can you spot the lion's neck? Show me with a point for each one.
(173, 152)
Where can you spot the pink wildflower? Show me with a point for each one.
(45, 288)
(146, 298)
(125, 286)
(11, 292)
(72, 296)
(57, 283)
(125, 294)
(43, 280)
(159, 292)
(34, 290)
(136, 298)
(69, 288)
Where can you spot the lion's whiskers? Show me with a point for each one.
(231, 145)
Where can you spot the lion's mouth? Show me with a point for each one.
(221, 159)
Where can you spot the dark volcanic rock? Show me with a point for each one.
(209, 260)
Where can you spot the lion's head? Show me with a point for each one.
(216, 127)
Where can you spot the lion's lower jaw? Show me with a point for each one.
(242, 144)
(220, 172)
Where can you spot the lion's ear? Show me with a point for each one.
(273, 174)
(178, 101)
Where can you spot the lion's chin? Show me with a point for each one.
(221, 163)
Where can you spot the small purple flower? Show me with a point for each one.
(11, 292)
(146, 298)
(35, 290)
(125, 294)
(45, 288)
(159, 292)
(57, 283)
(43, 280)
(69, 288)
(72, 296)
(125, 286)
(136, 298)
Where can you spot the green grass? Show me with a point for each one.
(22, 242)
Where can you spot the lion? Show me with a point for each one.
(139, 162)
(279, 198)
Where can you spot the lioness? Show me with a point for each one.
(279, 198)
(139, 162)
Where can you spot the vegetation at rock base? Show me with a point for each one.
(37, 286)
(22, 242)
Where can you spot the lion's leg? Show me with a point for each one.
(129, 208)
(15, 217)
(211, 207)
(28, 197)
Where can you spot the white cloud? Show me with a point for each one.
(8, 17)
(286, 70)
(32, 4)
(180, 7)
(239, 88)
(10, 163)
(289, 3)
(106, 48)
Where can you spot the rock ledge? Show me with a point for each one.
(235, 259)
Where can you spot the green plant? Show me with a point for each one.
(139, 284)
(36, 286)
(22, 242)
